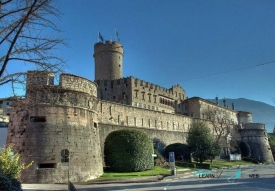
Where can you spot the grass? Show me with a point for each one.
(220, 163)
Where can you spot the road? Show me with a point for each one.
(260, 177)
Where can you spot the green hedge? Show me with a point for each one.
(203, 165)
(128, 150)
(8, 183)
(185, 164)
(254, 160)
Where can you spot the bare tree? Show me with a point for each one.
(23, 40)
(221, 122)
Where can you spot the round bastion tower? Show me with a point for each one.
(108, 60)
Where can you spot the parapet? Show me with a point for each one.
(77, 83)
(108, 46)
(255, 126)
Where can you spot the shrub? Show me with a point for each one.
(245, 149)
(10, 169)
(160, 160)
(234, 147)
(179, 150)
(8, 183)
(128, 150)
(185, 164)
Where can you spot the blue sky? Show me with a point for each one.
(179, 42)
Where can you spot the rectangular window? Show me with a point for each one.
(105, 82)
(95, 125)
(47, 165)
(35, 119)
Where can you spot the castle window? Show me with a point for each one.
(35, 119)
(47, 165)
(118, 119)
(144, 106)
(105, 82)
(148, 106)
(140, 105)
(143, 95)
(149, 96)
(95, 125)
(153, 108)
(142, 122)
(149, 122)
(135, 121)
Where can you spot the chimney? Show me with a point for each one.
(224, 102)
(217, 100)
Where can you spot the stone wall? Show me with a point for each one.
(108, 60)
(76, 83)
(40, 132)
(255, 135)
(119, 114)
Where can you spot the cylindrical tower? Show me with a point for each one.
(255, 135)
(108, 60)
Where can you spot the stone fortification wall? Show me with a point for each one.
(118, 114)
(255, 135)
(138, 93)
(150, 96)
(39, 133)
(53, 118)
(118, 91)
(76, 83)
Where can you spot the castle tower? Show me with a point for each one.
(255, 135)
(108, 60)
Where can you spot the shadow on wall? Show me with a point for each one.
(159, 145)
(3, 136)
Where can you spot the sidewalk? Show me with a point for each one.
(90, 184)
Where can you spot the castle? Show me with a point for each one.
(78, 114)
